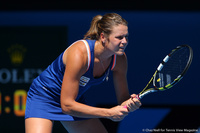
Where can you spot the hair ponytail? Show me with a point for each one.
(104, 24)
(92, 33)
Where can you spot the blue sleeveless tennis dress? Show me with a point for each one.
(43, 98)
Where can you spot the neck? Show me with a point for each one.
(101, 52)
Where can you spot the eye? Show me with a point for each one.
(120, 37)
(126, 37)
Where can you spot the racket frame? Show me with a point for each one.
(148, 90)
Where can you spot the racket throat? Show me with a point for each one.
(141, 95)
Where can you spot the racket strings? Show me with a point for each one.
(170, 71)
(174, 67)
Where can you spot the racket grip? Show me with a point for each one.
(125, 106)
(137, 96)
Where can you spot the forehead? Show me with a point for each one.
(120, 29)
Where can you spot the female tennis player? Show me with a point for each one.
(57, 94)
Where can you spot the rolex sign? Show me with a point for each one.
(24, 53)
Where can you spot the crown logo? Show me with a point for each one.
(16, 53)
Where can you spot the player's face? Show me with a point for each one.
(118, 39)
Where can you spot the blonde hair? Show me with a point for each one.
(104, 24)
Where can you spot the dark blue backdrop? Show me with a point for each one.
(152, 35)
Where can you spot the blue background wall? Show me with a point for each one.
(152, 35)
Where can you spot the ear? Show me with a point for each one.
(103, 37)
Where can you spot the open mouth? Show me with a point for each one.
(122, 48)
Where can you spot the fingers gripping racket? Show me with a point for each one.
(170, 71)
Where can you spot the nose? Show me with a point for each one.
(125, 40)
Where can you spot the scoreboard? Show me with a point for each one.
(25, 52)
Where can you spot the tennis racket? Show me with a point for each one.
(170, 71)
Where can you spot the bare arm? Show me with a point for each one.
(121, 85)
(76, 65)
(120, 80)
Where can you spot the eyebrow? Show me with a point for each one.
(122, 35)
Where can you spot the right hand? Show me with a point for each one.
(133, 103)
(117, 113)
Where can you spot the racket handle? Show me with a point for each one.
(137, 96)
(125, 106)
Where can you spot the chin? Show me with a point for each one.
(119, 53)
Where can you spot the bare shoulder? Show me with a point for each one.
(121, 63)
(77, 50)
(122, 58)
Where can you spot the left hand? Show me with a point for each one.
(133, 103)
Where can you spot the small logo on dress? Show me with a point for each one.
(83, 81)
(17, 53)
